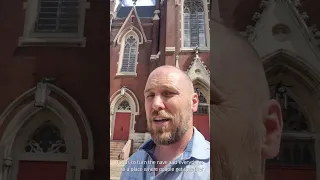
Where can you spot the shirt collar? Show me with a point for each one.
(197, 147)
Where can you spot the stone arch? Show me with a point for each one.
(32, 122)
(60, 103)
(291, 70)
(129, 95)
(123, 94)
(285, 66)
(130, 30)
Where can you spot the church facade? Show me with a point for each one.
(283, 32)
(145, 37)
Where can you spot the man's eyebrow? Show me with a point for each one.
(147, 90)
(163, 87)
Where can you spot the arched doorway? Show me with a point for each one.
(295, 84)
(124, 107)
(121, 130)
(24, 125)
(43, 149)
(201, 116)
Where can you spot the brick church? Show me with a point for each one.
(143, 37)
(283, 32)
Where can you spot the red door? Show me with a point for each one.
(42, 170)
(290, 173)
(201, 122)
(121, 126)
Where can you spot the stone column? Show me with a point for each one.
(7, 164)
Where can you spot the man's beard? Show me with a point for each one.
(171, 133)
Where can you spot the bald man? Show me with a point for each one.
(177, 150)
(246, 125)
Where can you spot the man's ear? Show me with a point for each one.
(195, 102)
(272, 130)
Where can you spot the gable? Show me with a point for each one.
(198, 71)
(281, 27)
(132, 22)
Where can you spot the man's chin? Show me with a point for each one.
(162, 138)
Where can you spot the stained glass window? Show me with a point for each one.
(194, 24)
(46, 139)
(129, 54)
(124, 106)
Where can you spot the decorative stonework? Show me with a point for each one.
(303, 15)
(156, 15)
(197, 61)
(46, 139)
(177, 61)
(124, 106)
(256, 17)
(264, 3)
(281, 32)
(198, 71)
(129, 96)
(296, 3)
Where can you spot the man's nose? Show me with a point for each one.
(157, 103)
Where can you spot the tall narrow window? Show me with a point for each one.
(129, 55)
(194, 24)
(57, 16)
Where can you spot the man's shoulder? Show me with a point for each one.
(134, 165)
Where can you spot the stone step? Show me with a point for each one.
(114, 158)
(116, 147)
(114, 153)
(115, 150)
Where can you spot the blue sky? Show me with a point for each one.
(139, 3)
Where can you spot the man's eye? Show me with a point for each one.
(150, 95)
(168, 93)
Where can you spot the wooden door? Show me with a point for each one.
(291, 173)
(42, 170)
(122, 126)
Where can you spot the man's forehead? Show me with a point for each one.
(162, 81)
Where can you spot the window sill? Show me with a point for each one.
(70, 42)
(192, 49)
(126, 74)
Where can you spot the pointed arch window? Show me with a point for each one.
(46, 139)
(203, 105)
(129, 55)
(194, 23)
(124, 106)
